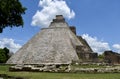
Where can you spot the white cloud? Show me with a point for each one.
(50, 8)
(97, 45)
(9, 43)
(116, 47)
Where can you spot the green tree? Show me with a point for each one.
(6, 52)
(101, 56)
(11, 14)
(2, 56)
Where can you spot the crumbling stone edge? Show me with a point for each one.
(64, 68)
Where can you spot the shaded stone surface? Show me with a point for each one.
(111, 57)
(85, 52)
(86, 46)
(73, 29)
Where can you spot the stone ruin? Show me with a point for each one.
(85, 53)
(56, 45)
(111, 57)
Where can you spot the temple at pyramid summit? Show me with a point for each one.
(57, 44)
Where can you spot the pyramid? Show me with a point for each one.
(53, 45)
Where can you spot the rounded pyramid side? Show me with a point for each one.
(53, 45)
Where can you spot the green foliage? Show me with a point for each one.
(4, 55)
(6, 52)
(11, 14)
(101, 56)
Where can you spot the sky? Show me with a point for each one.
(97, 21)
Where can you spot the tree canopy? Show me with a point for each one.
(4, 55)
(11, 14)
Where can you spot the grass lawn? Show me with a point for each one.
(45, 75)
(88, 66)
